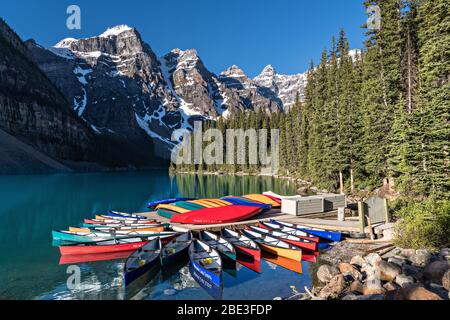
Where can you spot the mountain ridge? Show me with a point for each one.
(118, 85)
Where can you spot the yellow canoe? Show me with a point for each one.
(294, 254)
(205, 203)
(172, 208)
(219, 202)
(263, 199)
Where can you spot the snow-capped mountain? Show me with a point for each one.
(117, 84)
(284, 87)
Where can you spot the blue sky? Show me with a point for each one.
(248, 33)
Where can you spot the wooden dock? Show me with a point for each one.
(326, 221)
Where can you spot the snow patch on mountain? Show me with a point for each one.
(143, 122)
(65, 43)
(114, 31)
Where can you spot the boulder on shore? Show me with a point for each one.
(326, 272)
(435, 271)
(357, 261)
(420, 259)
(412, 271)
(391, 286)
(407, 252)
(397, 260)
(373, 259)
(446, 280)
(357, 286)
(403, 280)
(370, 289)
(415, 293)
(334, 288)
(348, 270)
(354, 297)
(388, 271)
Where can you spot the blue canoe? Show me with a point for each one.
(167, 201)
(206, 262)
(116, 214)
(142, 261)
(323, 234)
(213, 290)
(243, 202)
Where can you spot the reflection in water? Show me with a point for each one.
(85, 258)
(211, 186)
(289, 264)
(212, 289)
(34, 205)
(248, 261)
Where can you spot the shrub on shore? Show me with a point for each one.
(422, 223)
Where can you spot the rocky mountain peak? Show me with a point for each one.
(269, 70)
(115, 41)
(233, 72)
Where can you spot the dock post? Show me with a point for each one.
(341, 214)
(387, 213)
(362, 216)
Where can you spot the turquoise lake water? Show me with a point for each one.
(31, 206)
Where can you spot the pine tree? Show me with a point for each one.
(432, 119)
(381, 88)
(305, 114)
(330, 121)
(316, 164)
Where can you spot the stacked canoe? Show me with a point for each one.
(214, 211)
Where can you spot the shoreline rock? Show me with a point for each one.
(399, 274)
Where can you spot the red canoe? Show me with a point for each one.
(273, 198)
(211, 216)
(248, 252)
(102, 247)
(294, 240)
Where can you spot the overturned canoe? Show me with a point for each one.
(166, 201)
(263, 199)
(212, 216)
(247, 202)
(211, 203)
(188, 205)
